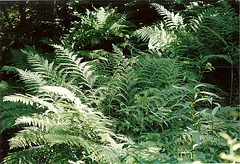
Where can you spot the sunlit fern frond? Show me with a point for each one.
(173, 21)
(65, 121)
(98, 26)
(33, 80)
(156, 36)
(101, 16)
(74, 66)
(31, 100)
(11, 111)
(49, 71)
(30, 136)
(81, 74)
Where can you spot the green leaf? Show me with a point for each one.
(200, 155)
(196, 137)
(214, 111)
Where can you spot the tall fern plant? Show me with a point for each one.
(130, 78)
(204, 37)
(65, 127)
(97, 26)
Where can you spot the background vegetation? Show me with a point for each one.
(130, 82)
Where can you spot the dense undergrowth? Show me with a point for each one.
(146, 99)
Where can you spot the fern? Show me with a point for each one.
(123, 85)
(153, 96)
(19, 59)
(216, 23)
(80, 73)
(157, 36)
(75, 67)
(158, 72)
(41, 154)
(173, 21)
(97, 26)
(33, 80)
(11, 111)
(81, 126)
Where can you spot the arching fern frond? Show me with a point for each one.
(97, 26)
(66, 121)
(31, 100)
(49, 71)
(11, 111)
(30, 136)
(173, 21)
(80, 72)
(38, 63)
(157, 36)
(33, 80)
(158, 72)
(74, 66)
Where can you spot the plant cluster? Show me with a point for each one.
(152, 106)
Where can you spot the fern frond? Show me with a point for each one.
(11, 111)
(9, 69)
(82, 72)
(122, 87)
(172, 20)
(24, 156)
(157, 36)
(19, 98)
(38, 63)
(74, 66)
(71, 140)
(48, 71)
(196, 22)
(33, 80)
(19, 59)
(63, 92)
(7, 123)
(28, 137)
(158, 72)
(30, 100)
(215, 56)
(101, 16)
(36, 120)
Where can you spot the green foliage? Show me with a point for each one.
(66, 121)
(82, 106)
(192, 126)
(173, 21)
(158, 72)
(219, 24)
(97, 26)
(192, 39)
